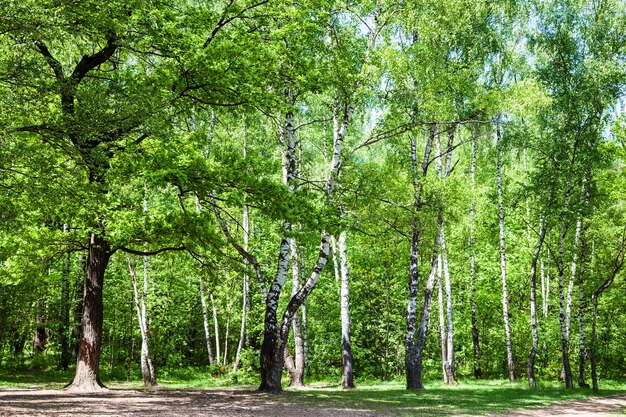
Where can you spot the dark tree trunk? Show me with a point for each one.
(64, 320)
(87, 376)
(79, 294)
(40, 331)
(592, 347)
(272, 349)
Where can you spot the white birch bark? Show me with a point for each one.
(333, 245)
(205, 322)
(505, 295)
(566, 370)
(227, 334)
(442, 322)
(414, 346)
(472, 242)
(544, 292)
(346, 346)
(530, 369)
(216, 328)
(147, 368)
(246, 237)
(570, 284)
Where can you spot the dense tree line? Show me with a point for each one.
(374, 189)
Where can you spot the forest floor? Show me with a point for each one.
(244, 402)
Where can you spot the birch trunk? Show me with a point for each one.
(275, 336)
(505, 295)
(472, 242)
(581, 315)
(227, 334)
(216, 329)
(450, 368)
(533, 304)
(295, 365)
(147, 368)
(592, 347)
(346, 347)
(544, 292)
(581, 296)
(244, 302)
(567, 373)
(570, 284)
(205, 322)
(413, 353)
(442, 322)
(421, 334)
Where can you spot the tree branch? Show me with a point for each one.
(244, 253)
(150, 253)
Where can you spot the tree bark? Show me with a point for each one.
(616, 267)
(205, 321)
(64, 319)
(581, 314)
(216, 329)
(421, 334)
(413, 355)
(246, 237)
(442, 323)
(472, 242)
(505, 295)
(87, 376)
(533, 303)
(40, 340)
(450, 368)
(567, 372)
(346, 348)
(147, 368)
(295, 364)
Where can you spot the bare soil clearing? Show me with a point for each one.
(162, 403)
(594, 407)
(240, 402)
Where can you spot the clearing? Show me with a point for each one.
(322, 402)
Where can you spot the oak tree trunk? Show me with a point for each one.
(87, 377)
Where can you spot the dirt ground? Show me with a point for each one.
(593, 407)
(228, 402)
(161, 403)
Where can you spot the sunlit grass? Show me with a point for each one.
(465, 398)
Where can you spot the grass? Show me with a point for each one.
(475, 398)
(466, 398)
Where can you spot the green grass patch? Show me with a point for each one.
(475, 398)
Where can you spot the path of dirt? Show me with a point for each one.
(231, 402)
(161, 403)
(593, 407)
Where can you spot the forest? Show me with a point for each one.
(277, 192)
